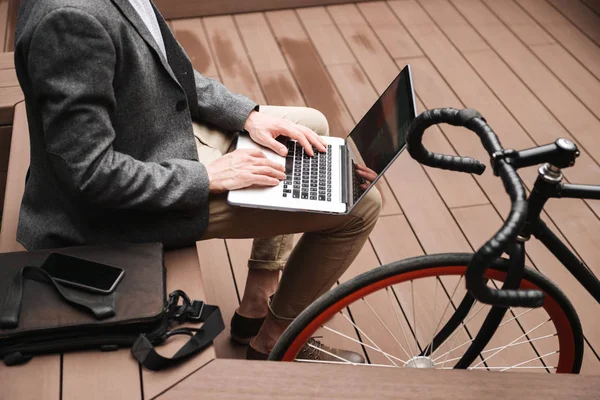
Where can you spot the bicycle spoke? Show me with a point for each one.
(432, 350)
(412, 293)
(471, 340)
(437, 281)
(451, 348)
(388, 356)
(515, 317)
(533, 359)
(463, 323)
(385, 326)
(466, 321)
(496, 348)
(397, 313)
(505, 347)
(359, 342)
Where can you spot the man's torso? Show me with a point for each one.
(151, 120)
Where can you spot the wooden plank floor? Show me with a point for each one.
(532, 67)
(512, 60)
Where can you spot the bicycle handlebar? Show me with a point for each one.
(493, 248)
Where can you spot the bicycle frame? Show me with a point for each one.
(547, 185)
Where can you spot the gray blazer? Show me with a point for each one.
(113, 157)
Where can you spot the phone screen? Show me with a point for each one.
(81, 272)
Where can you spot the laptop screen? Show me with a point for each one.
(380, 136)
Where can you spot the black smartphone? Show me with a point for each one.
(83, 274)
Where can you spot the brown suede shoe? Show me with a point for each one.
(320, 353)
(311, 353)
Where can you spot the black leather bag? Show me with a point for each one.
(39, 315)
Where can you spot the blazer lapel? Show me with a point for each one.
(133, 17)
(179, 62)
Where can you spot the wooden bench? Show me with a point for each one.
(237, 379)
(98, 375)
(10, 94)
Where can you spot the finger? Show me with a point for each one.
(268, 171)
(368, 175)
(315, 134)
(291, 130)
(276, 146)
(253, 153)
(269, 163)
(297, 134)
(364, 186)
(262, 180)
(364, 168)
(313, 138)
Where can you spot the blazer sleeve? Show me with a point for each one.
(71, 64)
(220, 107)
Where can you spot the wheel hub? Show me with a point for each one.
(419, 362)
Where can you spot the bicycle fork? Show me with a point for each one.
(493, 319)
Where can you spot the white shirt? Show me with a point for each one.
(146, 12)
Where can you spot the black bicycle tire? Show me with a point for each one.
(412, 264)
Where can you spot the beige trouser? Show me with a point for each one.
(328, 246)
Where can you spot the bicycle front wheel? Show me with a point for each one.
(393, 313)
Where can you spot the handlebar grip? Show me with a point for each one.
(505, 297)
(442, 161)
(493, 249)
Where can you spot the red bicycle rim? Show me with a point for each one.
(558, 317)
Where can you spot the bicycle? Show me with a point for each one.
(513, 285)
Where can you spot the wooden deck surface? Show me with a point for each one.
(531, 67)
(531, 70)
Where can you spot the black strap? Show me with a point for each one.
(101, 307)
(143, 349)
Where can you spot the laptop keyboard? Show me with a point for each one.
(307, 177)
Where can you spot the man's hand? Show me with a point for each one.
(263, 129)
(367, 174)
(243, 168)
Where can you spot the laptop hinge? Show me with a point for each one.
(345, 172)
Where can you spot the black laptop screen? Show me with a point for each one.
(380, 135)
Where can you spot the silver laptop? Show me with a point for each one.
(332, 182)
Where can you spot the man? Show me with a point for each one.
(115, 157)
